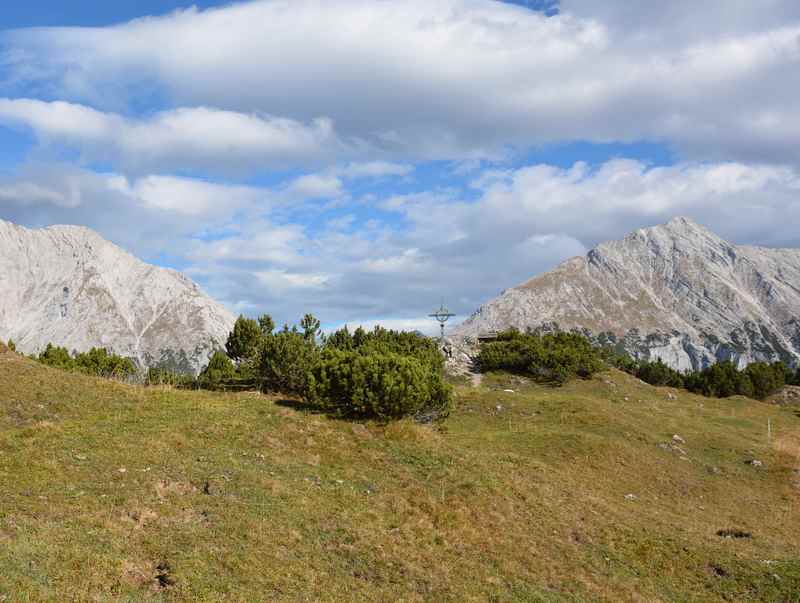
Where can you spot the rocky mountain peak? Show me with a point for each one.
(676, 291)
(68, 286)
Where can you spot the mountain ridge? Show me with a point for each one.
(675, 291)
(68, 285)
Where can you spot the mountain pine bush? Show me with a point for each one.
(220, 368)
(383, 385)
(550, 358)
(659, 374)
(243, 342)
(285, 359)
(97, 361)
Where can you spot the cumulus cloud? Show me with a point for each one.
(666, 22)
(452, 79)
(197, 137)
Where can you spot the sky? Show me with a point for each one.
(367, 160)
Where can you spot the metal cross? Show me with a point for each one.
(442, 315)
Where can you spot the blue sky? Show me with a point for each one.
(365, 159)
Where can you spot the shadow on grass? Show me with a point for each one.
(423, 416)
(313, 409)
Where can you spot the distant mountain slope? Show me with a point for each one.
(69, 286)
(676, 292)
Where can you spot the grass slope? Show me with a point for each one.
(117, 493)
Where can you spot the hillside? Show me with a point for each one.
(675, 291)
(68, 286)
(117, 493)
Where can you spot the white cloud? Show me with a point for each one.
(197, 137)
(250, 253)
(452, 79)
(31, 193)
(189, 196)
(315, 186)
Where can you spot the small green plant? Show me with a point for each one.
(12, 347)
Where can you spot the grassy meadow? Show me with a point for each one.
(110, 492)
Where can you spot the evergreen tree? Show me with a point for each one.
(266, 324)
(57, 357)
(244, 340)
(219, 368)
(310, 326)
(285, 360)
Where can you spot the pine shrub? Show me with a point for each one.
(220, 368)
(550, 358)
(286, 357)
(383, 385)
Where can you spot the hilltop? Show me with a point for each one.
(606, 489)
(676, 291)
(68, 286)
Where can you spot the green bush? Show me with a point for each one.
(766, 379)
(12, 347)
(219, 368)
(57, 357)
(244, 341)
(550, 358)
(758, 380)
(384, 385)
(659, 374)
(286, 357)
(97, 361)
(384, 341)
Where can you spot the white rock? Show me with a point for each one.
(678, 439)
(68, 286)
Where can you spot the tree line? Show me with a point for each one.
(97, 361)
(382, 373)
(757, 380)
(556, 357)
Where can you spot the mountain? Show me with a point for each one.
(69, 286)
(675, 291)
